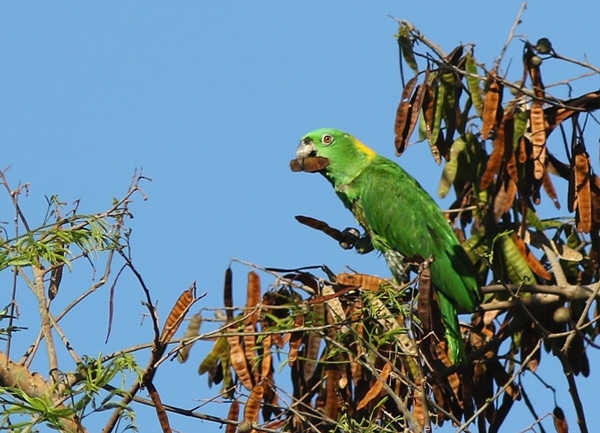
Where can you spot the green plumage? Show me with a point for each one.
(400, 217)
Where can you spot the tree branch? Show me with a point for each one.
(17, 376)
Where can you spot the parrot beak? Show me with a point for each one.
(307, 159)
(305, 149)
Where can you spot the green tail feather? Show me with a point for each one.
(456, 345)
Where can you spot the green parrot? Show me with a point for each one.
(400, 220)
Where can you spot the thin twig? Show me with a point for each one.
(492, 399)
(581, 320)
(568, 292)
(557, 269)
(570, 376)
(13, 196)
(421, 37)
(511, 35)
(577, 62)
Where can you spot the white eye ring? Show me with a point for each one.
(327, 139)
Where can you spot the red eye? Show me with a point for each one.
(327, 139)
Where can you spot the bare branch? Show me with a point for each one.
(511, 35)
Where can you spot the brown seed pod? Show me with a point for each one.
(238, 361)
(177, 314)
(376, 388)
(253, 405)
(234, 411)
(310, 164)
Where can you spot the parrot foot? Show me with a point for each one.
(353, 239)
(350, 236)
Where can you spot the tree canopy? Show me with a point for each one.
(318, 349)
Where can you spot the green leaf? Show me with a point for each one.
(478, 250)
(406, 47)
(514, 265)
(552, 223)
(440, 96)
(449, 82)
(473, 84)
(18, 261)
(422, 127)
(220, 348)
(451, 167)
(520, 125)
(533, 220)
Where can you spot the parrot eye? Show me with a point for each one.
(327, 139)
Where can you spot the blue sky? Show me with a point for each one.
(211, 99)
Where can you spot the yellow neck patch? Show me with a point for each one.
(370, 153)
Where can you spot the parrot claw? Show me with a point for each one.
(351, 237)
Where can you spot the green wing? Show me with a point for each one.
(400, 215)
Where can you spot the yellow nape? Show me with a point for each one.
(370, 153)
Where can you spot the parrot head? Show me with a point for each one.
(345, 155)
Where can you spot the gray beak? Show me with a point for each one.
(305, 149)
